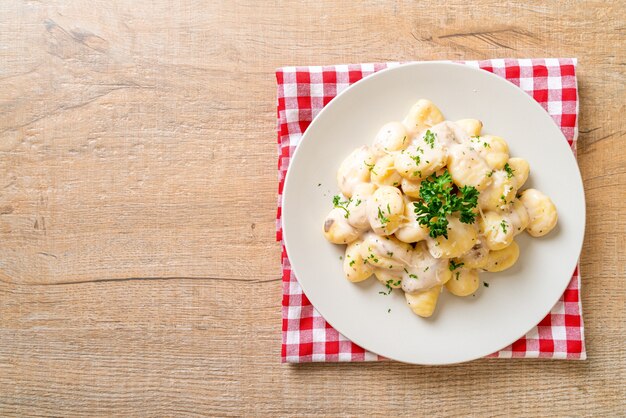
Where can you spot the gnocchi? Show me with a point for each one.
(464, 283)
(541, 212)
(430, 205)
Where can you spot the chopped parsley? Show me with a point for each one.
(351, 263)
(458, 273)
(489, 174)
(413, 276)
(442, 198)
(429, 138)
(373, 258)
(404, 139)
(417, 173)
(504, 225)
(389, 253)
(509, 170)
(388, 286)
(503, 199)
(485, 284)
(389, 310)
(381, 216)
(358, 202)
(486, 145)
(415, 158)
(453, 265)
(426, 269)
(370, 167)
(342, 205)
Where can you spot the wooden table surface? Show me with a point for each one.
(138, 269)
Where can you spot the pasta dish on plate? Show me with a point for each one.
(432, 203)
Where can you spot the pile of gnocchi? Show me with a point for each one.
(432, 203)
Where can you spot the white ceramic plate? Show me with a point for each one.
(461, 329)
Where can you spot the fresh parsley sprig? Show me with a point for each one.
(441, 198)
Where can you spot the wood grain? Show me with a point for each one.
(138, 268)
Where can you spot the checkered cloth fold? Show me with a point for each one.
(304, 91)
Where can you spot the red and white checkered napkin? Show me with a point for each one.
(304, 91)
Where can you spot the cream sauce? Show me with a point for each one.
(337, 229)
(358, 206)
(467, 167)
(355, 169)
(424, 271)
